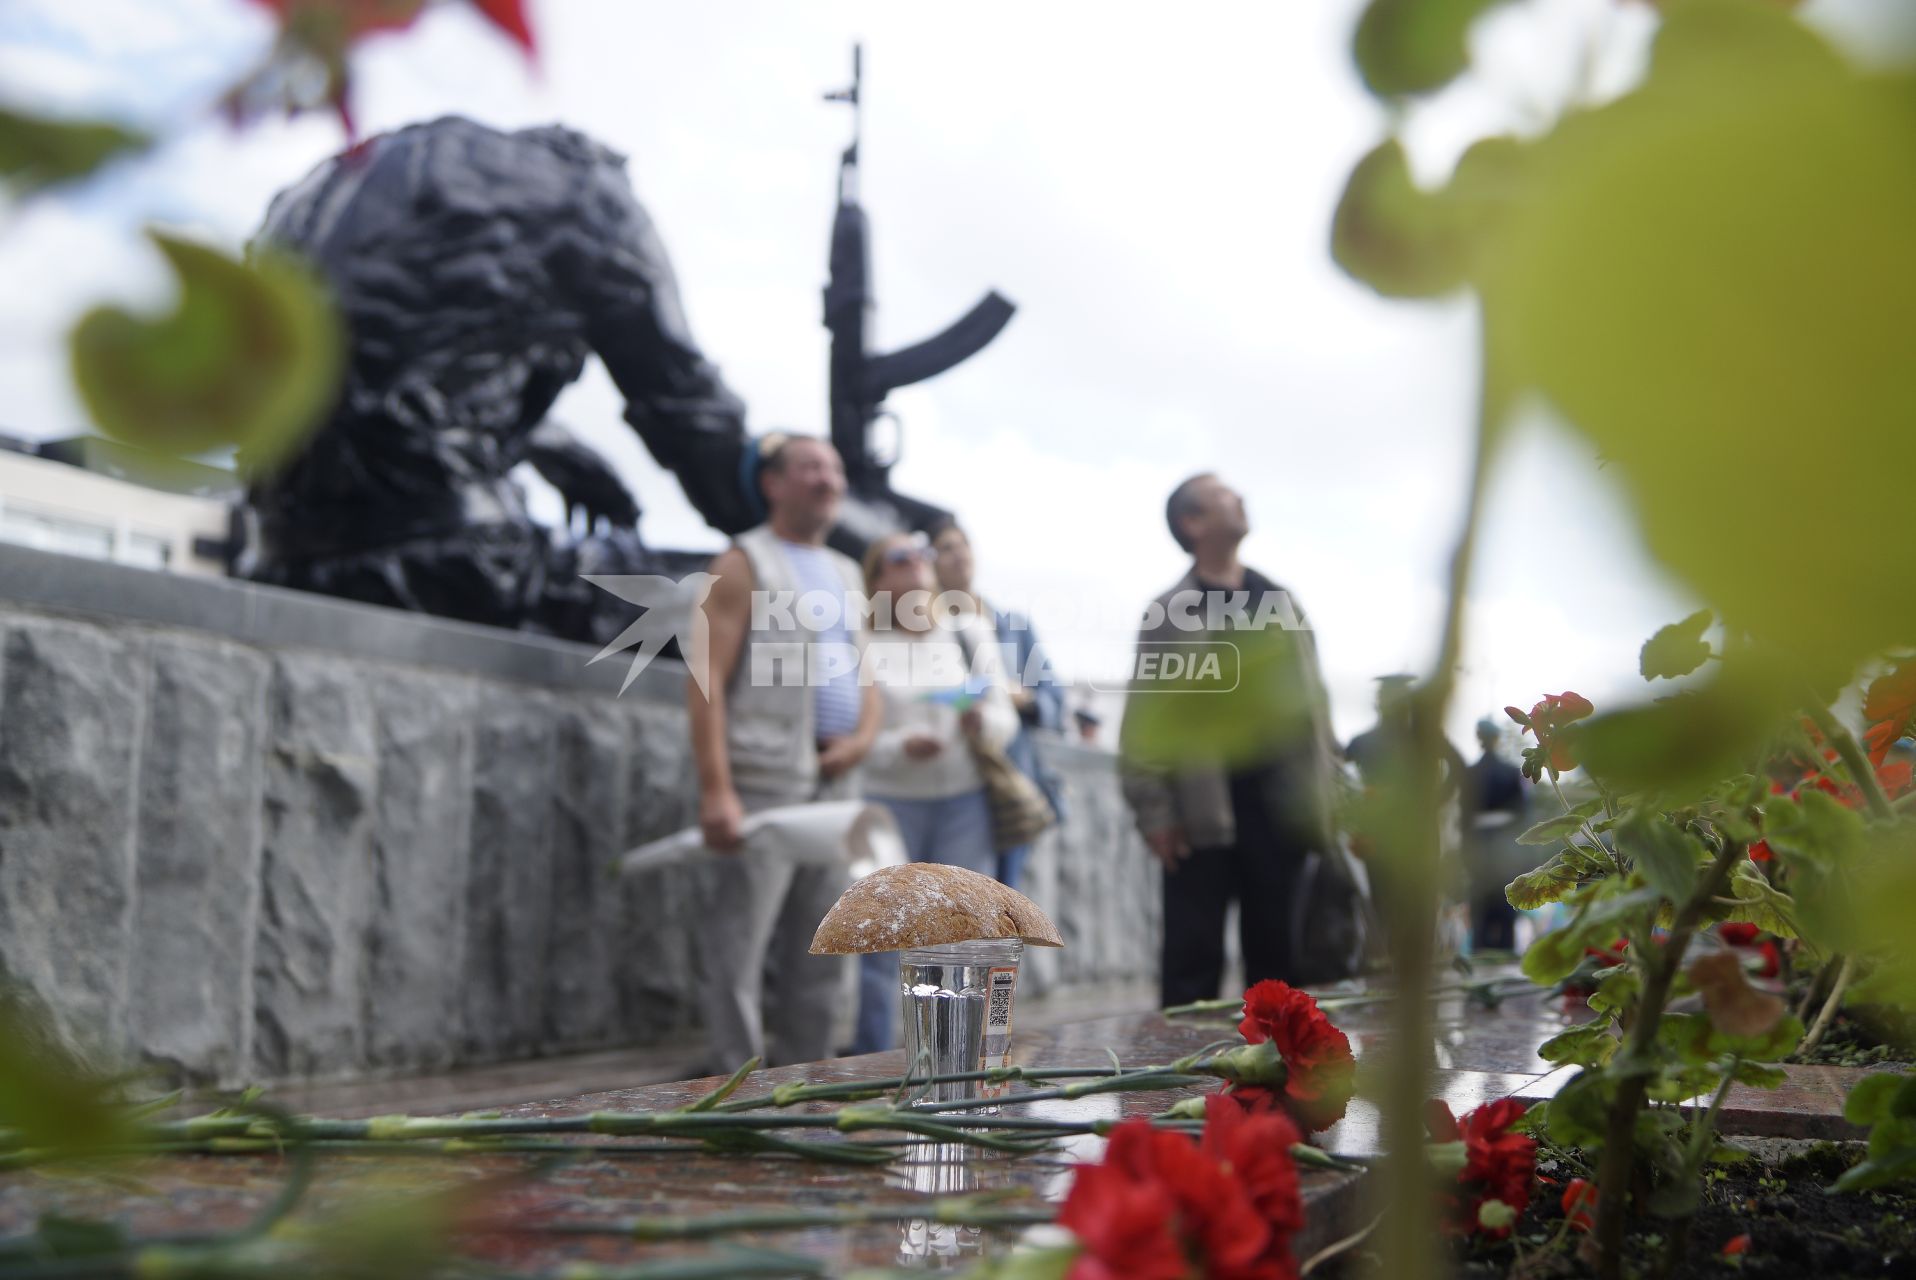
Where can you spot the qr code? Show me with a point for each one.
(1003, 983)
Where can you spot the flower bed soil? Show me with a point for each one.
(1797, 1230)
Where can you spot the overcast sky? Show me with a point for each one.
(1152, 187)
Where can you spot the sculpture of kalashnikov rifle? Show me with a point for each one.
(862, 378)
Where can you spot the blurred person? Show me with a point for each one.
(1035, 691)
(1370, 750)
(1088, 722)
(766, 735)
(920, 766)
(1254, 826)
(1495, 805)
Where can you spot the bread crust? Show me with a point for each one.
(926, 904)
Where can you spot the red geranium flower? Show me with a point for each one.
(1580, 1204)
(1498, 1164)
(1736, 1245)
(1319, 1070)
(1162, 1207)
(1760, 851)
(1889, 704)
(1745, 937)
(1547, 718)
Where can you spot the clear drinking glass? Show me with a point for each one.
(957, 1010)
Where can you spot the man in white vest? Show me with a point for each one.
(783, 719)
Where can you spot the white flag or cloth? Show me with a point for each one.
(853, 831)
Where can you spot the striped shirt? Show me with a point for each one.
(838, 698)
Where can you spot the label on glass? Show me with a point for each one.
(1001, 985)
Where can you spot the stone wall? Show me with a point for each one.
(254, 835)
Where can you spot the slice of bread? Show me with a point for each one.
(924, 904)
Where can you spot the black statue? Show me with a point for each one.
(476, 270)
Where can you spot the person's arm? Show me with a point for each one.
(1147, 788)
(994, 719)
(1047, 693)
(845, 753)
(727, 609)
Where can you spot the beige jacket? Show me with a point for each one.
(1174, 763)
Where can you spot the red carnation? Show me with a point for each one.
(1580, 1204)
(1160, 1205)
(1319, 1071)
(1498, 1164)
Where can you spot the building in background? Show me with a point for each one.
(85, 496)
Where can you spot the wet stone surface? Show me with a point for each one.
(540, 1215)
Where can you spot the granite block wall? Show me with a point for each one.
(249, 835)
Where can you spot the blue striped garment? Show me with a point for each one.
(837, 699)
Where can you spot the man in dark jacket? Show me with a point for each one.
(1228, 762)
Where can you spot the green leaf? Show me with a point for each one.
(1668, 858)
(1694, 1040)
(249, 357)
(1616, 992)
(1713, 279)
(1873, 1098)
(1551, 830)
(1759, 1075)
(1685, 744)
(37, 153)
(1676, 650)
(1406, 47)
(1555, 956)
(1873, 1172)
(1408, 242)
(1580, 1113)
(1589, 1045)
(1760, 902)
(1556, 879)
(47, 1096)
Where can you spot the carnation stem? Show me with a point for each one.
(1336, 1247)
(1830, 1006)
(963, 1212)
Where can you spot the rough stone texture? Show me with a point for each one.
(416, 927)
(255, 836)
(71, 711)
(197, 877)
(509, 884)
(658, 963)
(320, 802)
(581, 1004)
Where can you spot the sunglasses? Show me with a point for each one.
(918, 547)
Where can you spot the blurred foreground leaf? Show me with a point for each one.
(1676, 650)
(1406, 47)
(49, 1101)
(37, 153)
(249, 357)
(1683, 744)
(1408, 242)
(1714, 278)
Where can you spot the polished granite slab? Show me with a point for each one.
(1481, 1054)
